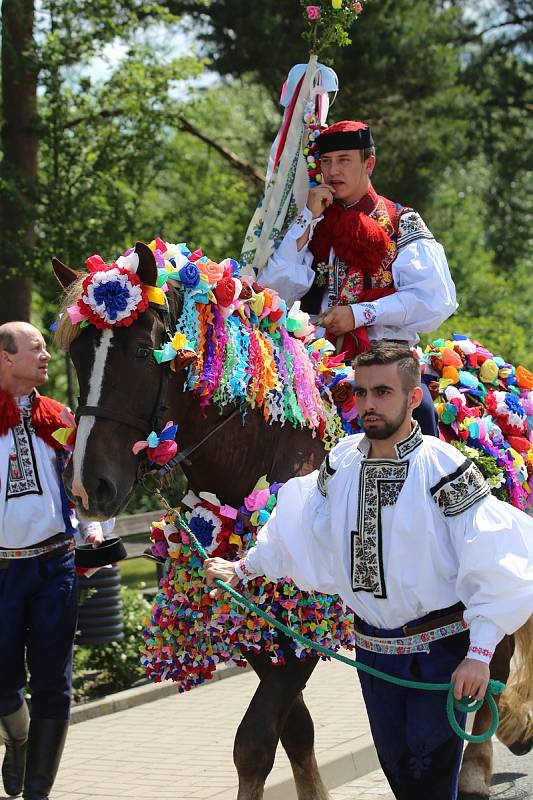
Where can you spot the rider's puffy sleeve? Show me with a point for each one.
(494, 545)
(289, 270)
(293, 543)
(425, 292)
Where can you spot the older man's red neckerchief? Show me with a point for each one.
(46, 416)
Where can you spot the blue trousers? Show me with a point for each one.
(417, 749)
(38, 616)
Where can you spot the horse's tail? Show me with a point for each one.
(516, 703)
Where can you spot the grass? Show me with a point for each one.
(136, 571)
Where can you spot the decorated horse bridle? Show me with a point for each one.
(157, 417)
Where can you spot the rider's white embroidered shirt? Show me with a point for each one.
(398, 539)
(30, 500)
(424, 297)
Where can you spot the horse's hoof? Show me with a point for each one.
(521, 748)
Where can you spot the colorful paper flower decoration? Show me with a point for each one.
(113, 295)
(160, 448)
(67, 435)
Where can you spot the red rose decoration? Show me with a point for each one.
(519, 443)
(434, 389)
(246, 291)
(225, 291)
(342, 392)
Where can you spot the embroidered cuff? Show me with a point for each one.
(364, 314)
(484, 636)
(303, 221)
(480, 653)
(87, 528)
(242, 571)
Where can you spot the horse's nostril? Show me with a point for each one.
(105, 491)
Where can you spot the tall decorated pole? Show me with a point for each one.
(293, 164)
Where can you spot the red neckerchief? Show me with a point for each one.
(362, 244)
(357, 239)
(46, 416)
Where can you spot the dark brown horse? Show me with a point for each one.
(124, 395)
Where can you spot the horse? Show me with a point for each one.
(123, 392)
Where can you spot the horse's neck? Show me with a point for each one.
(229, 462)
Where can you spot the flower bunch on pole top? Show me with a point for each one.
(329, 22)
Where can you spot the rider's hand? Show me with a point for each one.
(319, 198)
(337, 320)
(221, 569)
(471, 679)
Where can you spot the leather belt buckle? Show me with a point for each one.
(405, 630)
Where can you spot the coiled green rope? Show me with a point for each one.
(464, 705)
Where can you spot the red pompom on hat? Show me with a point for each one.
(345, 135)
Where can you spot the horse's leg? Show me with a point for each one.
(476, 770)
(298, 738)
(264, 723)
(515, 730)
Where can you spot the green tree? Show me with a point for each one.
(77, 154)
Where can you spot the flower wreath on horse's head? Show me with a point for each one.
(113, 295)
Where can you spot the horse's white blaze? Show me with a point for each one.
(86, 423)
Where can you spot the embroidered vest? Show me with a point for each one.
(352, 278)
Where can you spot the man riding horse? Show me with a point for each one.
(369, 265)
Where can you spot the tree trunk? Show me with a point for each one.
(19, 139)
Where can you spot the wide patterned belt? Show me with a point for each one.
(405, 645)
(67, 543)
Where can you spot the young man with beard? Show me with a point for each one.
(368, 265)
(38, 596)
(404, 528)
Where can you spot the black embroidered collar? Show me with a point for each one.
(403, 448)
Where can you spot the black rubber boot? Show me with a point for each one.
(14, 732)
(46, 740)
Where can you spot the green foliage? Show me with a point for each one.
(493, 298)
(196, 196)
(106, 668)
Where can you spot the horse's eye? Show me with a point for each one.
(143, 351)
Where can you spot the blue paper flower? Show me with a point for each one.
(189, 275)
(202, 529)
(114, 296)
(513, 404)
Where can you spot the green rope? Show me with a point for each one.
(494, 687)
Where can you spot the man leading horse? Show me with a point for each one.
(404, 528)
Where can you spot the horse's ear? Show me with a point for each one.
(147, 269)
(65, 275)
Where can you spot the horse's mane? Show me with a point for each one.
(239, 361)
(66, 332)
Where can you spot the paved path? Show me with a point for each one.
(512, 780)
(180, 747)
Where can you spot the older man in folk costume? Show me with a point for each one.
(370, 266)
(404, 528)
(38, 596)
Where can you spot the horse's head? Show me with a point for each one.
(122, 393)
